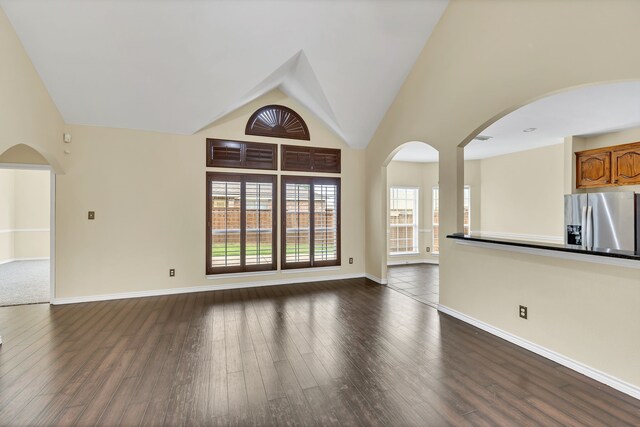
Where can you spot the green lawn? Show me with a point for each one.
(234, 249)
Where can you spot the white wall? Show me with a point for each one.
(24, 214)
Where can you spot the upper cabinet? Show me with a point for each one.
(608, 166)
(626, 165)
(593, 169)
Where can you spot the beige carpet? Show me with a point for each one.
(24, 282)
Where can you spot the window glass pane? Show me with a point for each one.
(259, 223)
(403, 220)
(325, 222)
(298, 230)
(225, 224)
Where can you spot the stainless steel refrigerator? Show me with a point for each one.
(603, 220)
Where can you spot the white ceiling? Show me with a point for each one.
(178, 65)
(586, 111)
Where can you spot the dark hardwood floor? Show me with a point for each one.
(337, 353)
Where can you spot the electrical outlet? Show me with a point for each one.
(350, 260)
(91, 215)
(172, 272)
(428, 249)
(523, 311)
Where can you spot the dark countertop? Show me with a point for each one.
(611, 253)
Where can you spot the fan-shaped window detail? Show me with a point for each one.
(277, 121)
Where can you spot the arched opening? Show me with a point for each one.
(528, 163)
(27, 227)
(411, 200)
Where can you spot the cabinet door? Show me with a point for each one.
(626, 166)
(593, 169)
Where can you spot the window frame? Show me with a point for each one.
(243, 179)
(311, 180)
(416, 221)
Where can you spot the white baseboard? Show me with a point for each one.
(7, 261)
(414, 261)
(620, 385)
(206, 288)
(376, 279)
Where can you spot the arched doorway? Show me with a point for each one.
(27, 227)
(411, 221)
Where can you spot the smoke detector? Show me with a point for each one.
(482, 138)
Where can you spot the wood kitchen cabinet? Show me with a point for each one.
(626, 165)
(608, 166)
(593, 169)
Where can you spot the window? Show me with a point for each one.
(403, 221)
(241, 154)
(277, 121)
(241, 222)
(310, 159)
(311, 222)
(436, 216)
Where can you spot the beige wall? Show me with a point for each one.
(576, 143)
(27, 113)
(32, 214)
(6, 214)
(532, 48)
(24, 214)
(424, 176)
(148, 192)
(522, 194)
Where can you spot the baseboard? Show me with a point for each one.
(604, 378)
(206, 288)
(414, 261)
(24, 259)
(376, 279)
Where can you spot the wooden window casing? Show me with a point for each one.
(310, 159)
(241, 154)
(310, 212)
(245, 236)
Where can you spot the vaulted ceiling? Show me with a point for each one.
(178, 65)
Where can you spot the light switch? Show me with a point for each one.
(92, 215)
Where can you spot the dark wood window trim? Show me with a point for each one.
(277, 121)
(287, 179)
(242, 179)
(295, 158)
(241, 154)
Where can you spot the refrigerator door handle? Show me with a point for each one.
(589, 241)
(583, 222)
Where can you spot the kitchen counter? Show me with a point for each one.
(535, 247)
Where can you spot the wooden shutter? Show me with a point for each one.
(326, 160)
(310, 159)
(241, 154)
(260, 156)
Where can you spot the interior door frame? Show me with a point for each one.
(52, 219)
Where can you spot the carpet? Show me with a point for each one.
(24, 282)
